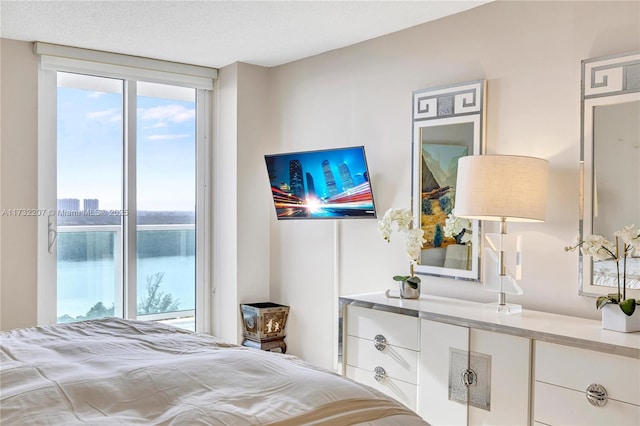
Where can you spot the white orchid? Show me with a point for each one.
(599, 248)
(403, 218)
(458, 228)
(574, 244)
(630, 235)
(413, 245)
(384, 229)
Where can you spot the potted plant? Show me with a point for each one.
(458, 228)
(409, 284)
(600, 249)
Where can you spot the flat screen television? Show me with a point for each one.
(323, 184)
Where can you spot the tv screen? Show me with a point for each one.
(323, 184)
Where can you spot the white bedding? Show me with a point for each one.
(113, 371)
(606, 274)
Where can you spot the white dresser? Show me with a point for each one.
(383, 352)
(456, 363)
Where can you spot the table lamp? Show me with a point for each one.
(502, 188)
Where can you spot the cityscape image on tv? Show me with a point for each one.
(326, 184)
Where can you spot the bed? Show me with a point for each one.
(605, 273)
(115, 371)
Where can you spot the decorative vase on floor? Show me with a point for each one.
(614, 319)
(408, 292)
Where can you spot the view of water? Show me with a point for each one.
(82, 284)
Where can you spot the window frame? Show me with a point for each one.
(54, 59)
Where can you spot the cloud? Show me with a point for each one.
(110, 115)
(162, 114)
(168, 137)
(95, 95)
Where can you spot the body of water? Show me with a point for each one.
(82, 284)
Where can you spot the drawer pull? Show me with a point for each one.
(380, 342)
(597, 395)
(469, 377)
(379, 374)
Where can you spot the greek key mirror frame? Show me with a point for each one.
(448, 123)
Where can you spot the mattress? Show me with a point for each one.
(114, 371)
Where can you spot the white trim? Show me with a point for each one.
(203, 283)
(587, 287)
(73, 59)
(337, 293)
(129, 178)
(47, 182)
(47, 160)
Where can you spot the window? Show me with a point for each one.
(123, 175)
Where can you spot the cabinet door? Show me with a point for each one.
(509, 378)
(498, 391)
(436, 342)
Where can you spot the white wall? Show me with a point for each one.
(225, 188)
(530, 53)
(19, 178)
(241, 192)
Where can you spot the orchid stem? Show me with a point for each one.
(624, 274)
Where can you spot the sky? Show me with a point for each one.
(90, 150)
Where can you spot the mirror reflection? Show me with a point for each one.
(610, 179)
(448, 123)
(448, 239)
(616, 183)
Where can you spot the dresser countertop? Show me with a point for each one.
(553, 328)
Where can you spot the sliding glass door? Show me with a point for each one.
(166, 202)
(126, 190)
(89, 157)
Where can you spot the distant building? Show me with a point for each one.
(329, 179)
(311, 188)
(285, 188)
(295, 178)
(69, 204)
(345, 176)
(90, 204)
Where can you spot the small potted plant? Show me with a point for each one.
(460, 230)
(600, 249)
(409, 284)
(457, 228)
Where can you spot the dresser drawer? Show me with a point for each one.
(398, 330)
(576, 369)
(399, 363)
(555, 405)
(404, 392)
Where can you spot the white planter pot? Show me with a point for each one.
(614, 319)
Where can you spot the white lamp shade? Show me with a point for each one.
(492, 187)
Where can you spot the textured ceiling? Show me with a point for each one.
(216, 33)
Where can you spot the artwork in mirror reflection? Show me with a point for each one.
(442, 146)
(448, 124)
(610, 184)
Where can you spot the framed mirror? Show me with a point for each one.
(448, 123)
(610, 165)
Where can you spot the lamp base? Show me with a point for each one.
(504, 308)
